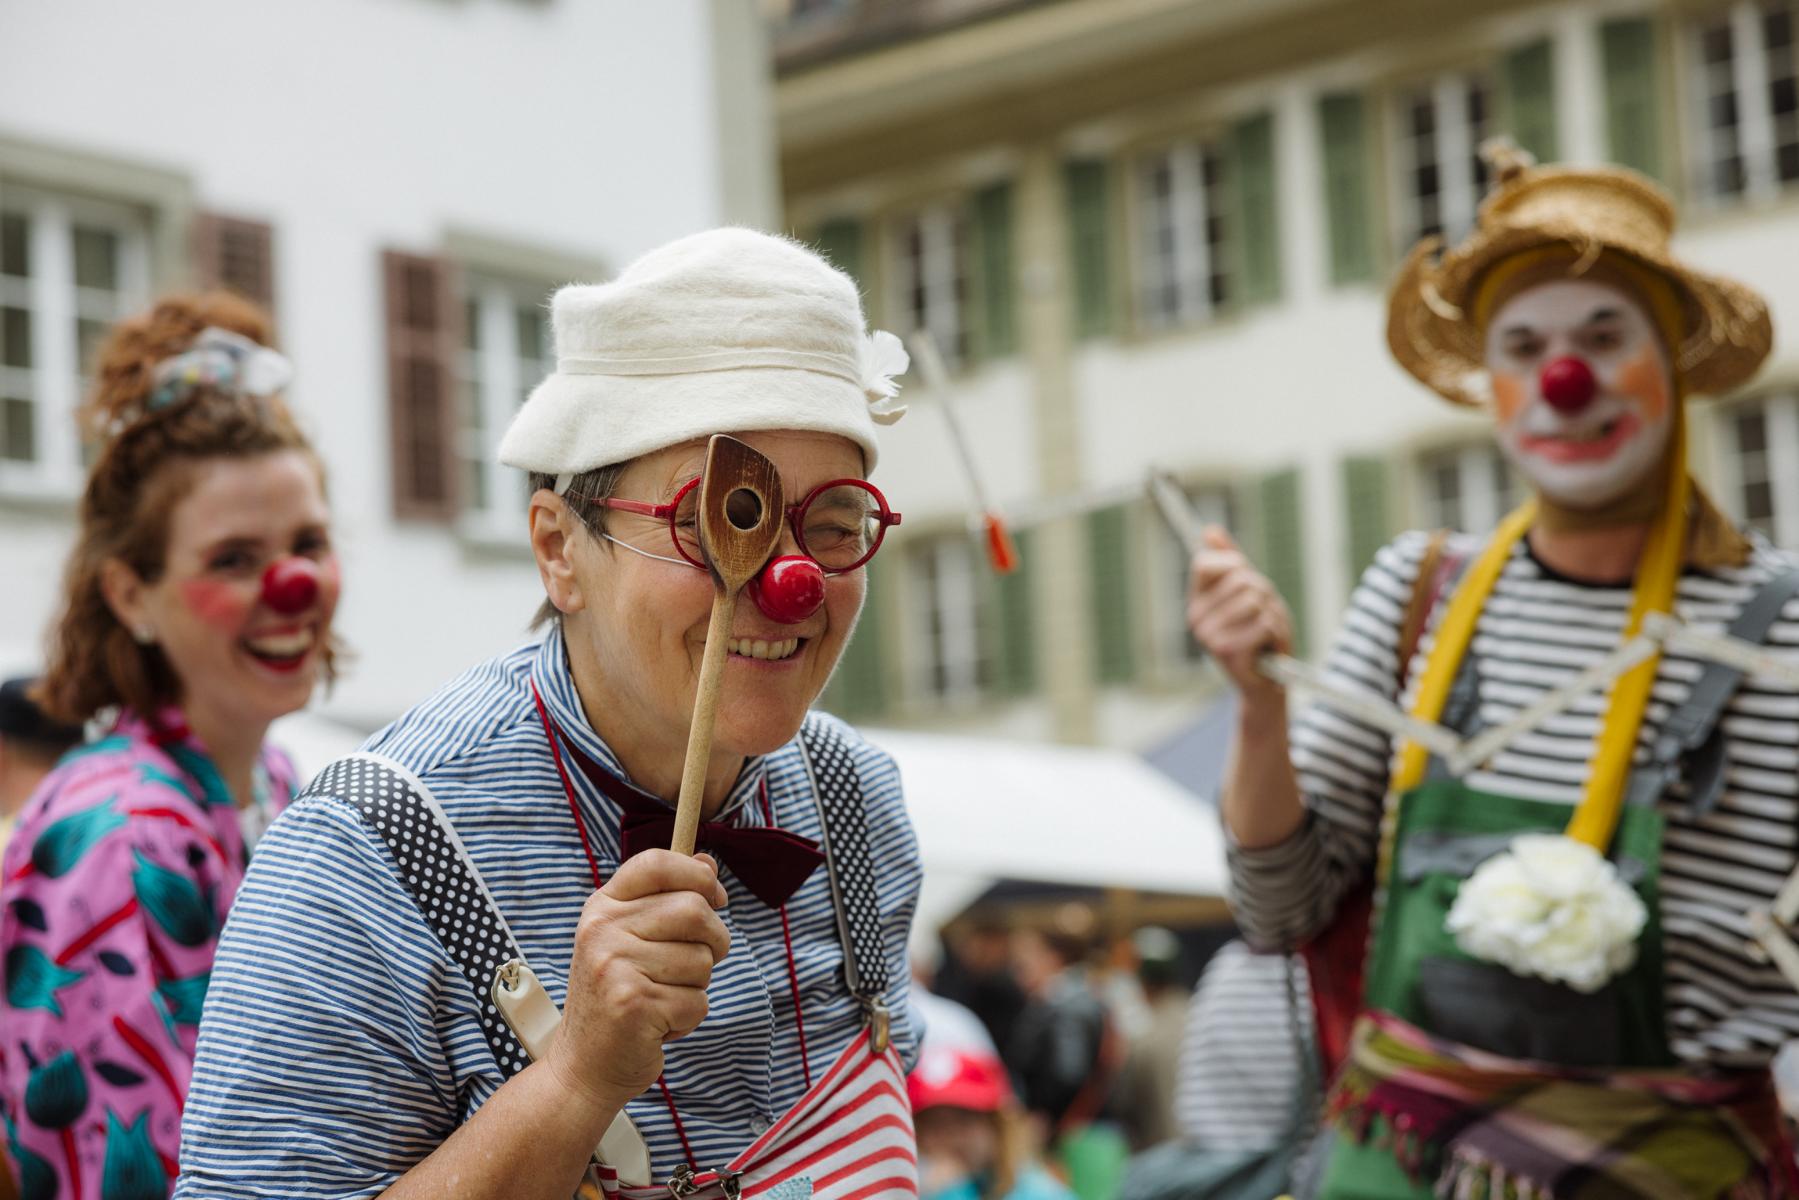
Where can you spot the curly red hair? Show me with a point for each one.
(144, 467)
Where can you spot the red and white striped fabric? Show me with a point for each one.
(849, 1138)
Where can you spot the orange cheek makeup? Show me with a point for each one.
(1509, 394)
(1644, 380)
(221, 605)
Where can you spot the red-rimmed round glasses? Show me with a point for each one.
(839, 524)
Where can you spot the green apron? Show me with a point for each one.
(1418, 973)
(1445, 829)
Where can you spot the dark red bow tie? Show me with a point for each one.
(771, 862)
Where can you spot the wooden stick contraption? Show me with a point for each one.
(1002, 551)
(740, 516)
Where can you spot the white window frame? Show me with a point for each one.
(1781, 413)
(1454, 145)
(1186, 215)
(502, 378)
(56, 378)
(940, 272)
(961, 646)
(1482, 475)
(1757, 138)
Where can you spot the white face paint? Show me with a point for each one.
(1600, 453)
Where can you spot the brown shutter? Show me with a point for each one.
(421, 385)
(237, 255)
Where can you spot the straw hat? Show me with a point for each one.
(719, 332)
(1724, 328)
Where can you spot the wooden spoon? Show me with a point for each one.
(740, 517)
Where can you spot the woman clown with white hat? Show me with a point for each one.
(383, 1016)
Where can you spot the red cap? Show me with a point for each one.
(959, 1078)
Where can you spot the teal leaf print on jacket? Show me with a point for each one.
(56, 1093)
(185, 997)
(37, 1178)
(199, 766)
(32, 979)
(62, 844)
(132, 1171)
(172, 901)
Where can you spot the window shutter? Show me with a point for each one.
(1530, 98)
(1366, 509)
(1280, 543)
(237, 255)
(422, 337)
(994, 327)
(1258, 221)
(1627, 49)
(1109, 565)
(840, 241)
(1015, 619)
(858, 686)
(1348, 207)
(1088, 182)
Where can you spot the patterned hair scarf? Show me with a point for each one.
(218, 359)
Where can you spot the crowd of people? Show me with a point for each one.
(467, 961)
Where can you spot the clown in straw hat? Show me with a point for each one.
(1556, 997)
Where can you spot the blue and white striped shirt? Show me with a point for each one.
(340, 1045)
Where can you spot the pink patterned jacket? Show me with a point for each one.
(113, 890)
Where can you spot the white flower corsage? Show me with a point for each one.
(883, 357)
(1550, 907)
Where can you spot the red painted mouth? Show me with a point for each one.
(1609, 437)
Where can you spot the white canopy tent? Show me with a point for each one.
(988, 810)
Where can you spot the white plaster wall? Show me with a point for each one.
(587, 126)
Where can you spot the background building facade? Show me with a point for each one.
(1156, 232)
(404, 182)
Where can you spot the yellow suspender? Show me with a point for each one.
(1658, 575)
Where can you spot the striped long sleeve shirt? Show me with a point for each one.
(1537, 631)
(340, 1044)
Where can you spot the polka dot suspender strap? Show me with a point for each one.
(433, 865)
(837, 790)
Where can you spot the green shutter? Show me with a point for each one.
(1015, 623)
(1627, 49)
(1366, 510)
(1088, 183)
(1348, 207)
(994, 326)
(840, 240)
(1109, 567)
(1281, 543)
(858, 687)
(1258, 221)
(1529, 78)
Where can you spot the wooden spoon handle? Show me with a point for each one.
(705, 715)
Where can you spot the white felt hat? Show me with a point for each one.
(725, 331)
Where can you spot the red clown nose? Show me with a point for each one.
(789, 589)
(291, 585)
(1568, 384)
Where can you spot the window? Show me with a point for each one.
(931, 278)
(1764, 436)
(1467, 488)
(1184, 229)
(1213, 504)
(69, 268)
(1746, 114)
(1439, 128)
(505, 353)
(956, 662)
